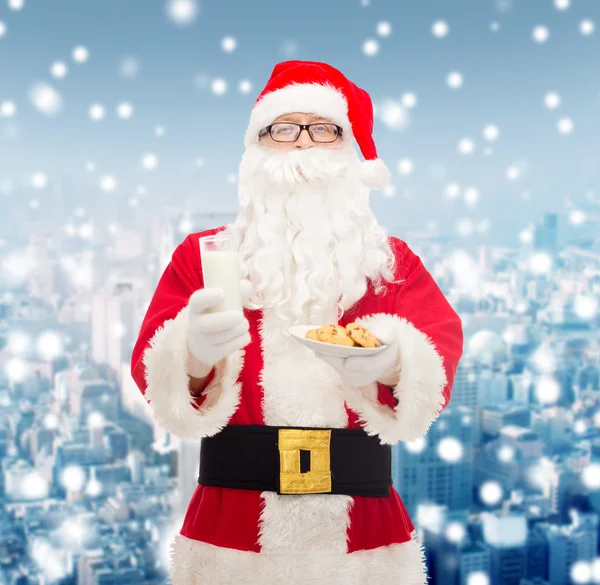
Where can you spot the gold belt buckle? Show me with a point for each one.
(318, 479)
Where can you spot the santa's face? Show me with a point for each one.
(307, 237)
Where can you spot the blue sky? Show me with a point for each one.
(506, 73)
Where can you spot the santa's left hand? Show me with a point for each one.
(381, 367)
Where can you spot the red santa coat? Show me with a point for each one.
(262, 538)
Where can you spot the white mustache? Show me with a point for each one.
(305, 166)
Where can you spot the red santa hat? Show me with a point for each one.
(318, 88)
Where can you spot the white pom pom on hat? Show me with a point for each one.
(320, 89)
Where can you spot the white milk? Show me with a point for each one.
(220, 269)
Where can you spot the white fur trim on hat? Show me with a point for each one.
(374, 174)
(311, 98)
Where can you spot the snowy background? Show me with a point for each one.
(121, 131)
(488, 111)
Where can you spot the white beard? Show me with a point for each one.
(307, 239)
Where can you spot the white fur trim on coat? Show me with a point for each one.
(315, 98)
(374, 174)
(419, 392)
(167, 379)
(299, 389)
(193, 563)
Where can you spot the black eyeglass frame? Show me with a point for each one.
(301, 127)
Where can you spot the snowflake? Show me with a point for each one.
(547, 390)
(149, 161)
(417, 446)
(228, 44)
(478, 578)
(245, 86)
(450, 449)
(565, 125)
(590, 476)
(552, 100)
(540, 263)
(466, 146)
(490, 493)
(45, 99)
(370, 47)
(389, 191)
(506, 453)
(49, 345)
(125, 110)
(587, 27)
(491, 132)
(581, 572)
(18, 342)
(129, 67)
(39, 180)
(439, 29)
(409, 100)
(577, 217)
(218, 86)
(182, 12)
(80, 54)
(406, 166)
(452, 191)
(513, 173)
(73, 478)
(108, 183)
(454, 80)
(455, 532)
(96, 112)
(384, 29)
(471, 196)
(393, 115)
(585, 306)
(7, 109)
(540, 34)
(58, 70)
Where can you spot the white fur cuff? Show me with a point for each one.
(419, 391)
(167, 378)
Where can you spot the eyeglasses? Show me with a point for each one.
(289, 132)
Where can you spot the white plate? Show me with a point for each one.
(299, 332)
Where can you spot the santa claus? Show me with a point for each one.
(295, 465)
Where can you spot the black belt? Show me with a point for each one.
(296, 460)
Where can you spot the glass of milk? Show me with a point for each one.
(220, 269)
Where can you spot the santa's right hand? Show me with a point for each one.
(212, 336)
